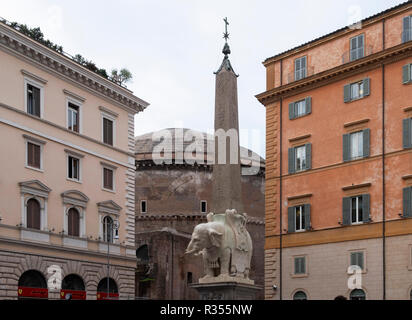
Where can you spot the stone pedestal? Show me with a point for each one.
(226, 291)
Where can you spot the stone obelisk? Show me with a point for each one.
(227, 193)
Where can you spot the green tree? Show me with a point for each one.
(121, 76)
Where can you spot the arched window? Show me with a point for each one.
(32, 285)
(73, 222)
(102, 289)
(73, 282)
(358, 294)
(142, 254)
(33, 214)
(300, 295)
(108, 229)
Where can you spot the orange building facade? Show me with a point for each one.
(339, 163)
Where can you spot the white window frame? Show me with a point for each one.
(102, 234)
(361, 90)
(113, 169)
(201, 202)
(296, 158)
(37, 143)
(39, 86)
(107, 116)
(79, 104)
(82, 222)
(302, 213)
(351, 146)
(141, 211)
(357, 210)
(296, 106)
(68, 154)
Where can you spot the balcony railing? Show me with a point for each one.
(356, 54)
(300, 74)
(407, 35)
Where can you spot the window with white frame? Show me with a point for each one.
(356, 90)
(356, 145)
(73, 117)
(300, 218)
(357, 259)
(34, 152)
(108, 178)
(356, 209)
(300, 158)
(108, 229)
(33, 99)
(73, 168)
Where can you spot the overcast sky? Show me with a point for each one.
(172, 47)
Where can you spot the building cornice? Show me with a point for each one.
(338, 73)
(53, 62)
(201, 217)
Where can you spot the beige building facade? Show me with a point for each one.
(67, 181)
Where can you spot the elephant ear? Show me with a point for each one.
(215, 238)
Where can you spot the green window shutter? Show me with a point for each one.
(346, 211)
(291, 160)
(308, 148)
(366, 207)
(406, 73)
(307, 216)
(366, 142)
(291, 220)
(366, 87)
(346, 93)
(346, 147)
(407, 127)
(406, 27)
(303, 67)
(291, 110)
(308, 105)
(407, 202)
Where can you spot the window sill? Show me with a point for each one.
(302, 116)
(35, 169)
(108, 190)
(74, 180)
(298, 276)
(108, 144)
(356, 99)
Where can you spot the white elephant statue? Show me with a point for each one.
(225, 244)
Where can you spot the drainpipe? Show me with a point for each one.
(383, 172)
(280, 186)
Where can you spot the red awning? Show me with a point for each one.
(103, 296)
(38, 293)
(76, 294)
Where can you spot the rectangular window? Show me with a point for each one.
(407, 202)
(299, 218)
(108, 178)
(356, 90)
(73, 170)
(356, 210)
(143, 206)
(300, 108)
(407, 29)
(300, 158)
(300, 265)
(33, 100)
(356, 145)
(357, 47)
(33, 155)
(107, 131)
(73, 117)
(300, 68)
(407, 73)
(357, 259)
(203, 206)
(407, 133)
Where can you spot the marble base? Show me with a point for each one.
(225, 278)
(226, 291)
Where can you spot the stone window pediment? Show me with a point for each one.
(75, 198)
(35, 187)
(109, 207)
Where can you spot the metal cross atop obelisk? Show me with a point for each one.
(226, 34)
(227, 193)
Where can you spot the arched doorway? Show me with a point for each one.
(32, 285)
(102, 290)
(358, 294)
(73, 288)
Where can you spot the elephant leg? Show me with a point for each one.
(209, 272)
(225, 262)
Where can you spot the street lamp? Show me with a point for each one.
(112, 231)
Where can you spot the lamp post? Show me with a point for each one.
(111, 232)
